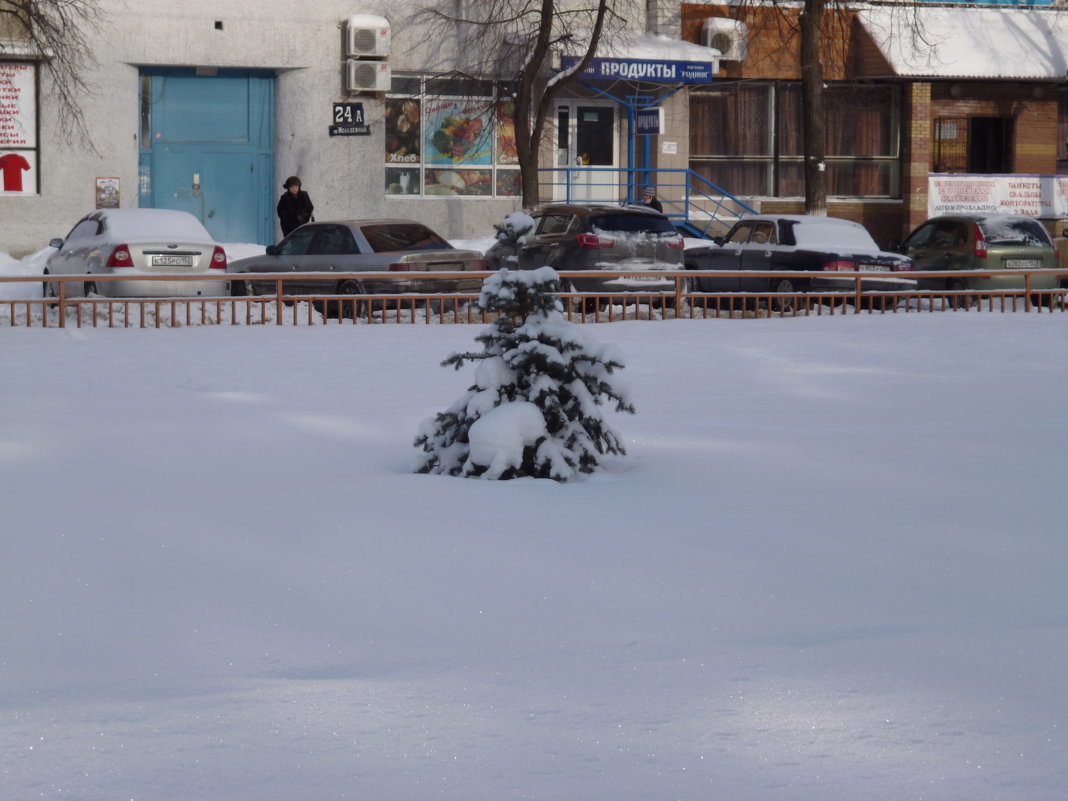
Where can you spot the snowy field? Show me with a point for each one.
(831, 568)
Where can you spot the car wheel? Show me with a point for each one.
(48, 288)
(89, 288)
(350, 309)
(786, 286)
(1043, 299)
(960, 301)
(239, 289)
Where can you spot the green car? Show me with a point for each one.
(991, 242)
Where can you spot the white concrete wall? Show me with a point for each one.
(302, 43)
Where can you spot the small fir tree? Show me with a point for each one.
(535, 407)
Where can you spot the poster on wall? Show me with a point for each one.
(107, 193)
(18, 172)
(18, 128)
(1041, 196)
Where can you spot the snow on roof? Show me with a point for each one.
(645, 47)
(970, 42)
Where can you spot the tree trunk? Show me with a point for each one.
(814, 120)
(533, 112)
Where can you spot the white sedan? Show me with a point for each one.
(132, 243)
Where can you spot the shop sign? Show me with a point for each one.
(348, 120)
(649, 121)
(1044, 196)
(644, 70)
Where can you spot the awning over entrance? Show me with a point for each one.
(964, 42)
(649, 58)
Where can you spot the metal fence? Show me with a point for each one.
(285, 307)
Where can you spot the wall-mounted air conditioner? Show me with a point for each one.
(367, 36)
(727, 35)
(367, 76)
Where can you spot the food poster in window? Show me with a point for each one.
(458, 133)
(507, 152)
(402, 146)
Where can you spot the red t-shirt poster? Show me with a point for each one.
(12, 165)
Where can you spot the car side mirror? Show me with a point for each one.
(719, 240)
(1064, 233)
(272, 250)
(56, 243)
(896, 247)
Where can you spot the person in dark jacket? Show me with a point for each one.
(649, 199)
(294, 207)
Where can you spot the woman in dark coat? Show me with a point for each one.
(294, 207)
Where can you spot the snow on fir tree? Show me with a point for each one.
(540, 384)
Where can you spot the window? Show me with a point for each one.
(450, 136)
(1062, 125)
(553, 224)
(296, 244)
(388, 237)
(332, 240)
(18, 128)
(747, 139)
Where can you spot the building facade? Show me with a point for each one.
(919, 97)
(208, 107)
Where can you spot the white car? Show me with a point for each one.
(132, 243)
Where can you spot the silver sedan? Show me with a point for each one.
(132, 243)
(352, 246)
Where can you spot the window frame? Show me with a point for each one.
(413, 177)
(769, 173)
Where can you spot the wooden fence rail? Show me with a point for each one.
(407, 305)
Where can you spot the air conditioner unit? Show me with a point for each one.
(727, 35)
(367, 76)
(367, 36)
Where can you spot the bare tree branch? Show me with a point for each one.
(513, 41)
(56, 32)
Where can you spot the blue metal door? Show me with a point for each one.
(207, 148)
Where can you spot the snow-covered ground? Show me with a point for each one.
(832, 567)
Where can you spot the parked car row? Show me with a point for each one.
(824, 246)
(586, 238)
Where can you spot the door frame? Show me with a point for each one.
(571, 181)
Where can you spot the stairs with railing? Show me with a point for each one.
(697, 207)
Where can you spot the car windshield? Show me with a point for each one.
(830, 235)
(632, 223)
(388, 237)
(1005, 230)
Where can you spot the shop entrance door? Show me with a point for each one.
(587, 135)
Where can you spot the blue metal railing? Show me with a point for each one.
(694, 204)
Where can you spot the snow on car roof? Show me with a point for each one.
(831, 232)
(142, 224)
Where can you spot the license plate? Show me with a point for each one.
(172, 261)
(874, 268)
(1021, 264)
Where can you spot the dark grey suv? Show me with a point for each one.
(604, 237)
